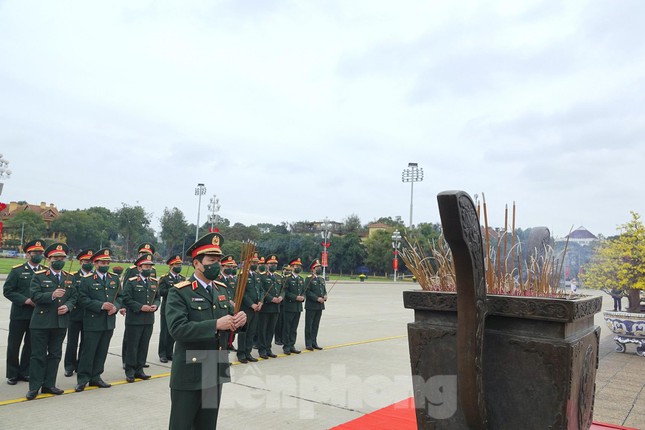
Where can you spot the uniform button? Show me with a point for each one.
(214, 307)
(194, 360)
(199, 307)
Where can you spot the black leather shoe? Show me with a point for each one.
(252, 359)
(142, 376)
(272, 355)
(243, 360)
(309, 348)
(129, 378)
(287, 352)
(69, 373)
(317, 347)
(266, 357)
(146, 365)
(31, 394)
(52, 390)
(24, 378)
(278, 342)
(100, 383)
(12, 381)
(79, 387)
(295, 351)
(163, 359)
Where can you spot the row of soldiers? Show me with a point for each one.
(49, 303)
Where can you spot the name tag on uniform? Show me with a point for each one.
(197, 299)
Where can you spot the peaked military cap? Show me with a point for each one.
(146, 247)
(56, 249)
(272, 259)
(296, 261)
(34, 246)
(228, 261)
(208, 244)
(256, 257)
(174, 260)
(144, 259)
(85, 254)
(314, 264)
(104, 254)
(261, 260)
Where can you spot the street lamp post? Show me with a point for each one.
(325, 234)
(396, 244)
(199, 191)
(213, 207)
(412, 174)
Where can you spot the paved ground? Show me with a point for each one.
(364, 367)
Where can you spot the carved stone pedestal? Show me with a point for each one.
(539, 361)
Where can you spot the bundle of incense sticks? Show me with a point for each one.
(246, 254)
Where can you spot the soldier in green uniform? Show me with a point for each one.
(16, 289)
(75, 328)
(316, 296)
(279, 325)
(53, 292)
(273, 296)
(166, 282)
(200, 318)
(251, 306)
(100, 298)
(294, 297)
(141, 300)
(145, 248)
(230, 280)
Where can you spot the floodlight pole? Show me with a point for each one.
(412, 174)
(199, 191)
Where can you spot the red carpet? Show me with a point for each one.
(400, 416)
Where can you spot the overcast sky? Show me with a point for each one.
(301, 110)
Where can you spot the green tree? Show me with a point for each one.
(619, 262)
(86, 228)
(352, 224)
(346, 253)
(379, 252)
(174, 230)
(26, 224)
(133, 224)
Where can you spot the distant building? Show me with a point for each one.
(581, 236)
(48, 212)
(378, 226)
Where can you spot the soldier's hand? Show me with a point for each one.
(280, 299)
(28, 302)
(62, 310)
(325, 298)
(300, 298)
(321, 300)
(123, 311)
(113, 310)
(225, 323)
(58, 292)
(275, 300)
(145, 308)
(239, 319)
(259, 306)
(107, 306)
(255, 307)
(153, 308)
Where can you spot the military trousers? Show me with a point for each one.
(245, 338)
(195, 409)
(136, 347)
(266, 329)
(46, 353)
(91, 363)
(166, 342)
(312, 323)
(290, 331)
(74, 333)
(279, 326)
(18, 361)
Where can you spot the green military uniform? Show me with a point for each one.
(200, 363)
(139, 291)
(94, 290)
(294, 289)
(47, 327)
(227, 278)
(314, 289)
(279, 324)
(16, 289)
(269, 312)
(75, 328)
(166, 282)
(252, 296)
(144, 248)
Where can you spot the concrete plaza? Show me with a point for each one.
(364, 366)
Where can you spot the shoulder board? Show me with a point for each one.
(88, 275)
(132, 267)
(65, 273)
(17, 265)
(182, 284)
(134, 278)
(40, 272)
(310, 276)
(220, 283)
(154, 279)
